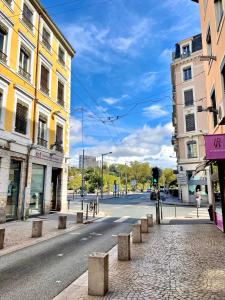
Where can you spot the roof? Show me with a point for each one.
(195, 1)
(49, 20)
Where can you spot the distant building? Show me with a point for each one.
(89, 162)
(189, 92)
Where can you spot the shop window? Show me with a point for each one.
(61, 56)
(190, 122)
(46, 38)
(187, 73)
(28, 16)
(45, 79)
(21, 118)
(24, 63)
(219, 12)
(42, 131)
(59, 138)
(37, 190)
(188, 98)
(3, 43)
(60, 93)
(192, 149)
(213, 100)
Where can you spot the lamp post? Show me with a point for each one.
(103, 154)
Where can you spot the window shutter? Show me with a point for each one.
(188, 98)
(190, 122)
(59, 134)
(21, 118)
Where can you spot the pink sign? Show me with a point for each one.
(215, 146)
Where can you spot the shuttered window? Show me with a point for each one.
(44, 79)
(59, 138)
(188, 98)
(21, 118)
(60, 93)
(190, 122)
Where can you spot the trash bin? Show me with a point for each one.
(210, 210)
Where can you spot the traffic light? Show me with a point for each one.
(155, 175)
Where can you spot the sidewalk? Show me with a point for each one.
(174, 262)
(18, 233)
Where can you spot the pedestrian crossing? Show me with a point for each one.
(113, 219)
(201, 213)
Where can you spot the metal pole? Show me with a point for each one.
(175, 210)
(87, 212)
(161, 210)
(102, 181)
(82, 192)
(126, 178)
(197, 212)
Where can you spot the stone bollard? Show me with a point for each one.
(144, 225)
(98, 274)
(80, 217)
(124, 246)
(37, 229)
(62, 222)
(136, 233)
(150, 220)
(2, 237)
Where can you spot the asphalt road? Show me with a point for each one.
(44, 270)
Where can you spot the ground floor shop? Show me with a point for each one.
(31, 184)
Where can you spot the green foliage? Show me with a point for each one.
(167, 177)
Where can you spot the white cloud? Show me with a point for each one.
(166, 55)
(154, 112)
(111, 100)
(145, 82)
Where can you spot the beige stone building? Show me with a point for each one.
(188, 80)
(212, 14)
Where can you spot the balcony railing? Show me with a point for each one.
(59, 147)
(185, 55)
(42, 142)
(24, 73)
(28, 22)
(3, 57)
(45, 89)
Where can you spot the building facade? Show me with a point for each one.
(212, 15)
(89, 162)
(35, 75)
(188, 82)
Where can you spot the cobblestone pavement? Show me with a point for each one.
(174, 262)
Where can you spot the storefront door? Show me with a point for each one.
(56, 189)
(37, 190)
(13, 190)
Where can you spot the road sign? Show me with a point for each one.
(182, 179)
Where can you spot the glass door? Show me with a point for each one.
(13, 190)
(37, 190)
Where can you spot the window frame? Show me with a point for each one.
(190, 113)
(61, 123)
(183, 75)
(190, 88)
(218, 18)
(9, 25)
(45, 26)
(62, 63)
(192, 142)
(4, 89)
(31, 8)
(46, 113)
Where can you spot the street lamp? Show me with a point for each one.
(103, 154)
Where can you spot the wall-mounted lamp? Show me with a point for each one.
(208, 109)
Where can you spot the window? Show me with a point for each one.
(27, 16)
(192, 149)
(44, 79)
(186, 51)
(219, 12)
(9, 2)
(190, 122)
(46, 37)
(209, 42)
(213, 100)
(3, 42)
(59, 138)
(223, 78)
(60, 93)
(42, 131)
(24, 63)
(61, 56)
(21, 118)
(188, 98)
(187, 73)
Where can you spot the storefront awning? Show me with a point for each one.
(201, 167)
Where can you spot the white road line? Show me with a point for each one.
(102, 219)
(75, 233)
(60, 254)
(121, 220)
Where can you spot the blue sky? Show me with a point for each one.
(121, 72)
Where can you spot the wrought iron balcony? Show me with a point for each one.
(58, 146)
(3, 57)
(42, 142)
(24, 73)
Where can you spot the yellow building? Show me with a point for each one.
(35, 78)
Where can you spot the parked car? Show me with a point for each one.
(148, 190)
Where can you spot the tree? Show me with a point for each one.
(93, 180)
(74, 179)
(167, 177)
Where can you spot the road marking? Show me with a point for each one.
(114, 235)
(95, 234)
(102, 219)
(84, 239)
(75, 233)
(60, 254)
(58, 281)
(121, 220)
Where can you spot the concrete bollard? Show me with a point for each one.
(2, 237)
(124, 246)
(144, 225)
(80, 217)
(150, 220)
(136, 233)
(98, 274)
(62, 222)
(37, 229)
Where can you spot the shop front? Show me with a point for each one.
(215, 152)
